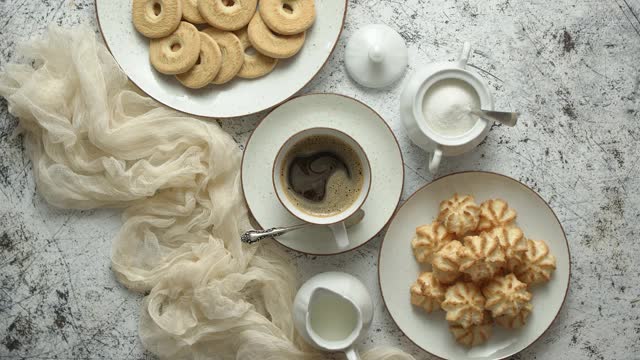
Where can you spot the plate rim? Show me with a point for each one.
(397, 203)
(293, 94)
(564, 299)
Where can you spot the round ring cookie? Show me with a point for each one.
(227, 14)
(191, 13)
(178, 52)
(232, 54)
(271, 44)
(255, 65)
(207, 66)
(288, 17)
(156, 18)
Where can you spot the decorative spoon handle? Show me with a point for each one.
(253, 236)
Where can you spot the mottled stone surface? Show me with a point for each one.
(572, 68)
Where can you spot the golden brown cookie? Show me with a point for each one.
(271, 44)
(191, 13)
(512, 242)
(464, 304)
(481, 257)
(427, 292)
(255, 65)
(446, 262)
(232, 54)
(538, 264)
(288, 17)
(474, 334)
(227, 14)
(178, 52)
(517, 321)
(207, 66)
(156, 18)
(460, 214)
(429, 239)
(494, 213)
(506, 296)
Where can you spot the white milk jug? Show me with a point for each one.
(332, 311)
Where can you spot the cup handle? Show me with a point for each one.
(464, 55)
(352, 354)
(340, 234)
(434, 163)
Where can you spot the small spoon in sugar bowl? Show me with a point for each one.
(502, 117)
(253, 236)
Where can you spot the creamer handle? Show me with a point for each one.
(352, 354)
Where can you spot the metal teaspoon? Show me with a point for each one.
(253, 236)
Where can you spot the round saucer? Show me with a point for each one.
(323, 110)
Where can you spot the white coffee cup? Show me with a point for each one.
(335, 221)
(413, 118)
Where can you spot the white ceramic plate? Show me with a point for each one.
(398, 268)
(237, 98)
(323, 110)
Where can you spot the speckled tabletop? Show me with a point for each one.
(571, 67)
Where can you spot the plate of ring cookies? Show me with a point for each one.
(221, 58)
(474, 265)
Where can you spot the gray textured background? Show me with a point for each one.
(572, 68)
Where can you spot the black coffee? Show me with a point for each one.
(322, 175)
(308, 175)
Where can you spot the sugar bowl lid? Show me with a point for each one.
(376, 56)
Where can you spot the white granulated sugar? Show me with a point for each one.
(447, 105)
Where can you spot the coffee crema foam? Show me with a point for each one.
(322, 175)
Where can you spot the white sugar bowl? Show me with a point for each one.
(435, 105)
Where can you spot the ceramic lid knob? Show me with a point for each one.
(375, 53)
(376, 56)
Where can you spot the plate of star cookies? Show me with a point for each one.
(221, 58)
(474, 265)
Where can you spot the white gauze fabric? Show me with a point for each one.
(94, 141)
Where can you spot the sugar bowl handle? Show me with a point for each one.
(434, 163)
(464, 55)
